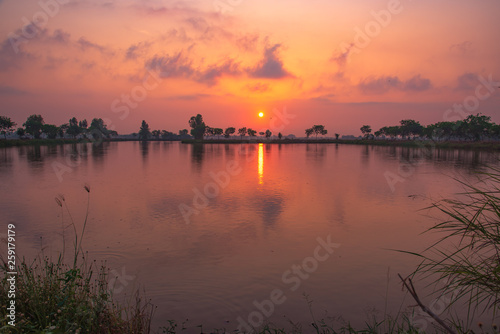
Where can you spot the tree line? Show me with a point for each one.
(36, 126)
(145, 133)
(199, 130)
(473, 128)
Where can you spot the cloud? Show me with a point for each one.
(417, 84)
(326, 98)
(192, 97)
(198, 23)
(467, 82)
(379, 85)
(7, 90)
(342, 56)
(271, 66)
(179, 66)
(176, 66)
(384, 84)
(461, 48)
(247, 42)
(258, 87)
(214, 72)
(60, 36)
(86, 44)
(12, 51)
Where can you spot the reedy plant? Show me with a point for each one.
(467, 254)
(59, 297)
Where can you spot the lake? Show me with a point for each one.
(232, 234)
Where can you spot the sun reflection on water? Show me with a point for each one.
(261, 163)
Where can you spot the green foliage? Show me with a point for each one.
(34, 125)
(53, 296)
(466, 256)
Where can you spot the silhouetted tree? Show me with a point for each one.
(156, 134)
(229, 131)
(280, 135)
(410, 127)
(366, 130)
(83, 124)
(242, 132)
(62, 129)
(100, 130)
(34, 125)
(309, 132)
(319, 130)
(20, 132)
(209, 131)
(218, 132)
(167, 134)
(337, 136)
(73, 129)
(477, 126)
(251, 132)
(268, 133)
(183, 132)
(6, 125)
(50, 130)
(198, 126)
(144, 131)
(262, 133)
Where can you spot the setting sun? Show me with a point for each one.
(261, 114)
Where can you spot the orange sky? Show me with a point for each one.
(338, 63)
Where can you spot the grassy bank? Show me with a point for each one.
(59, 296)
(483, 145)
(31, 142)
(59, 141)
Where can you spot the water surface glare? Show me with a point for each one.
(211, 231)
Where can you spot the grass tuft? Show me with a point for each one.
(53, 296)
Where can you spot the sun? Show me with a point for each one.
(261, 114)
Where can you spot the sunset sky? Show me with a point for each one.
(339, 63)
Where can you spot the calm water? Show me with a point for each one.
(247, 233)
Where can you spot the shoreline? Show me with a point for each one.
(480, 145)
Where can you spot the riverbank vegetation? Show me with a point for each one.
(465, 260)
(60, 295)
